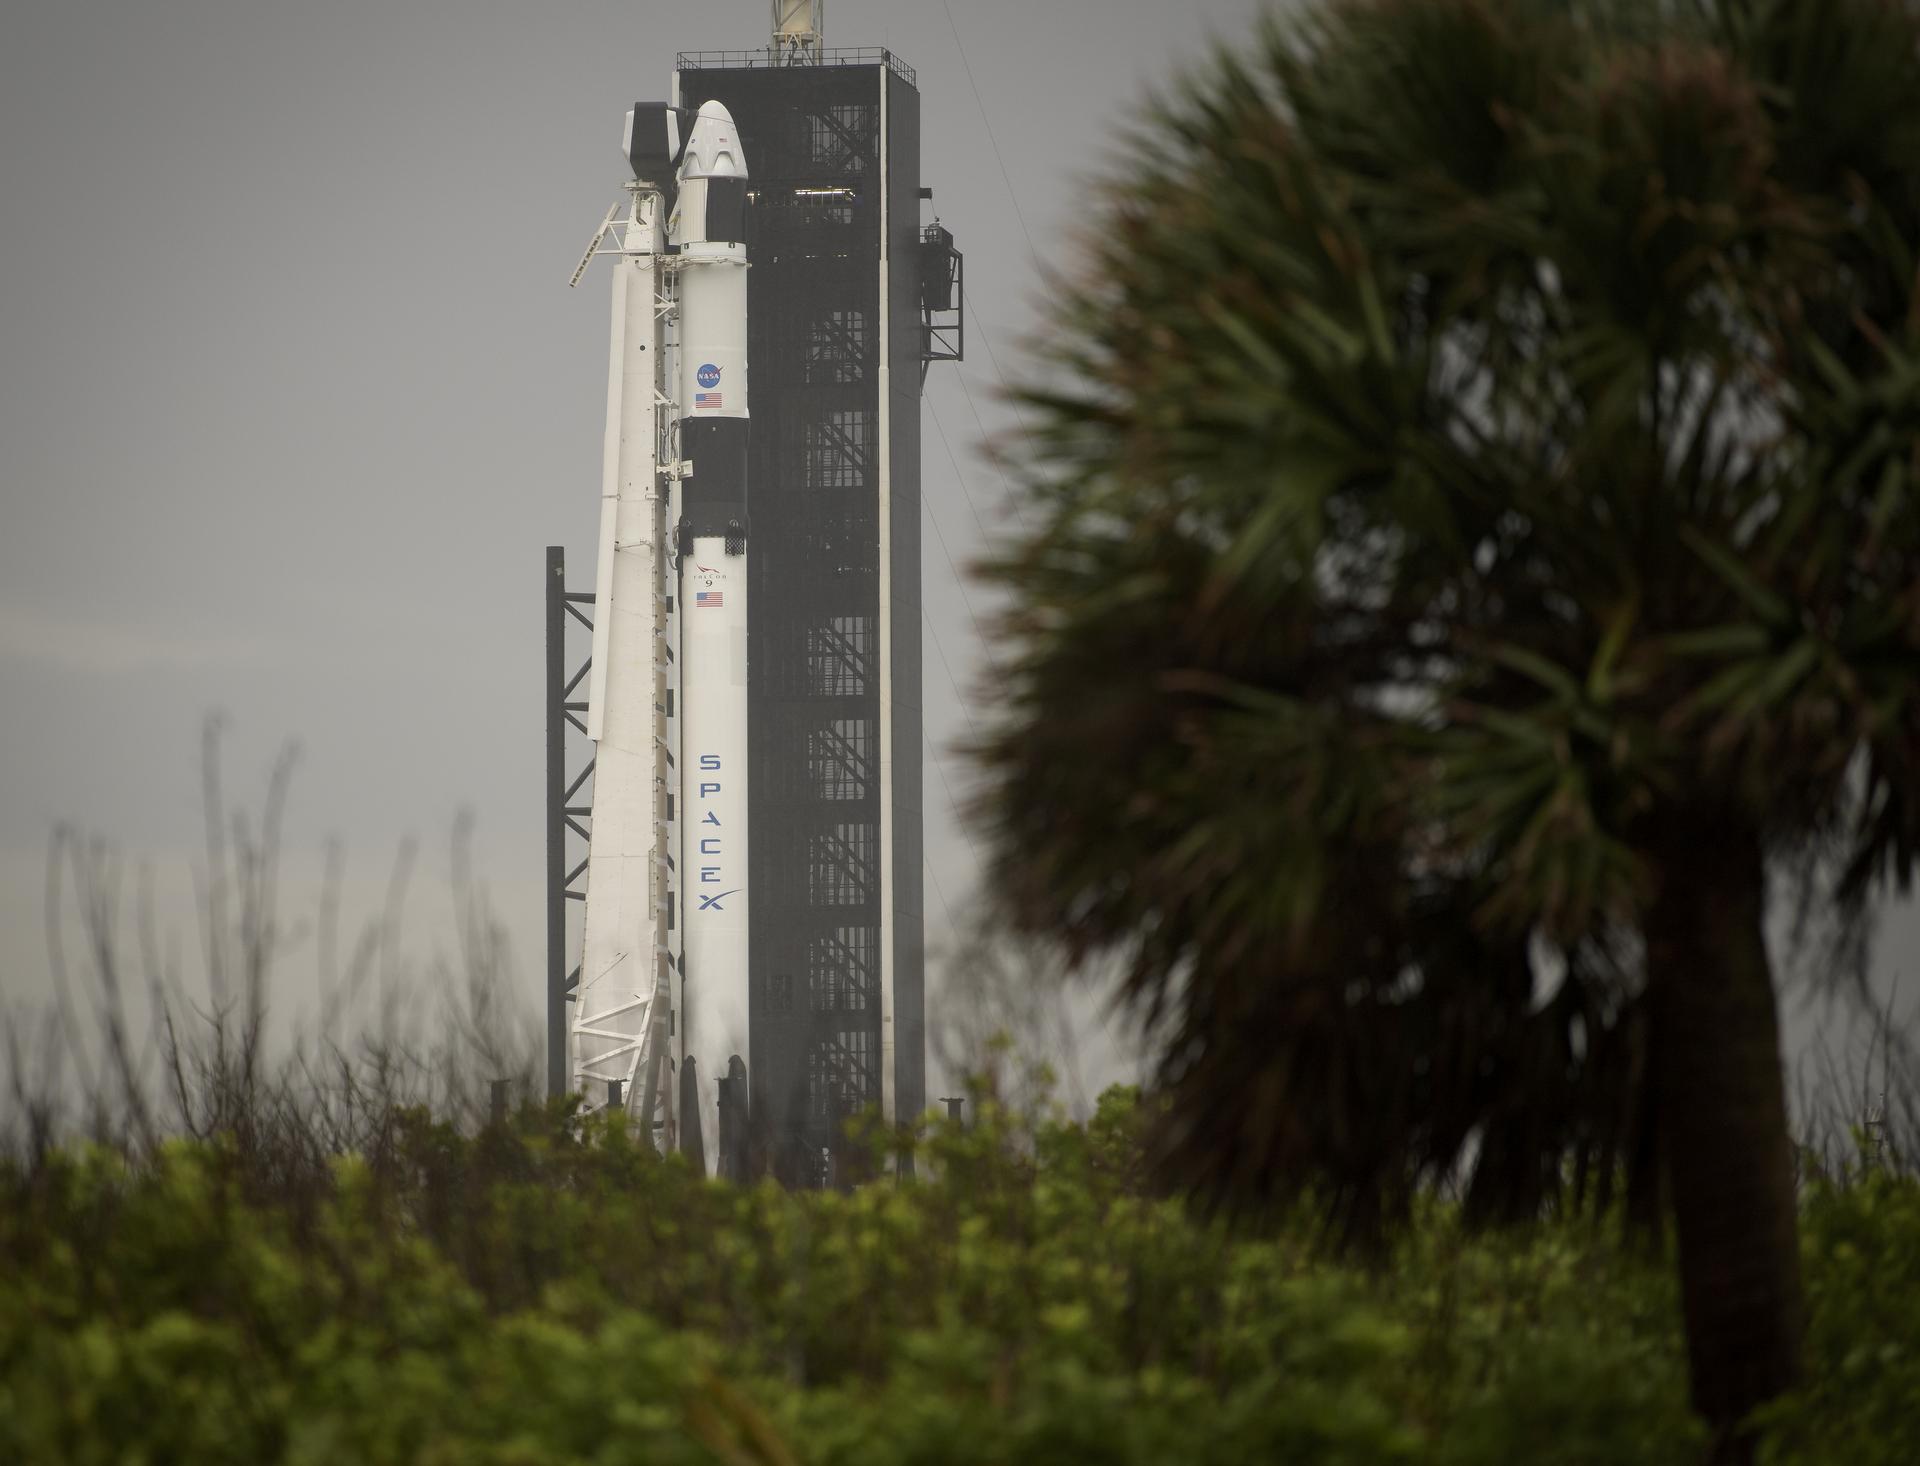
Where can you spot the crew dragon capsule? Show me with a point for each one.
(707, 232)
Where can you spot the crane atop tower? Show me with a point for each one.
(797, 30)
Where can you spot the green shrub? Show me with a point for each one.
(548, 1293)
(1861, 1403)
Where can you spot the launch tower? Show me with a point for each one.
(840, 326)
(852, 291)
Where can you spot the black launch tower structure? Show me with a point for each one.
(850, 296)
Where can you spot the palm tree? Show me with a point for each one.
(1476, 578)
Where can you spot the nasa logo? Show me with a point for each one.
(708, 375)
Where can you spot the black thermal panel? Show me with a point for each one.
(716, 495)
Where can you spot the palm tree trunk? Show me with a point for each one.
(1722, 1117)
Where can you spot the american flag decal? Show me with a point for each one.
(705, 400)
(708, 598)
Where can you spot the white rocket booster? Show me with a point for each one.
(707, 230)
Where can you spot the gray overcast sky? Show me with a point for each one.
(292, 393)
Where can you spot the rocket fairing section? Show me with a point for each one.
(707, 232)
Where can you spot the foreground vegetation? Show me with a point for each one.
(543, 1293)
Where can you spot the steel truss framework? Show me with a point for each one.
(568, 812)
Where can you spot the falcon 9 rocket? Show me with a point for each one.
(707, 231)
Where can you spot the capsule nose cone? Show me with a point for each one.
(713, 146)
